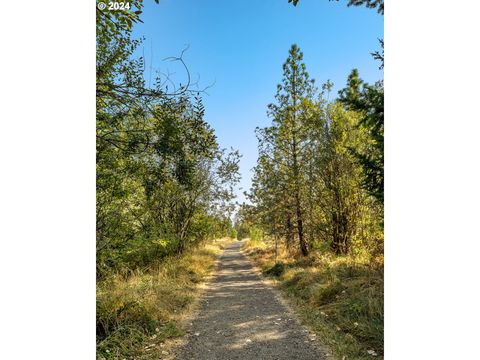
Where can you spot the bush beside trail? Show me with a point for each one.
(340, 298)
(137, 313)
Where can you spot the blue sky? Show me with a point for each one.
(240, 46)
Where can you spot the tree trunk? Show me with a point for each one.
(298, 206)
(296, 170)
(303, 243)
(290, 238)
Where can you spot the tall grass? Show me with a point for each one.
(135, 314)
(340, 297)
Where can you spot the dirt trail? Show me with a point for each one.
(240, 317)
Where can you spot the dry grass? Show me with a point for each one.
(136, 314)
(340, 298)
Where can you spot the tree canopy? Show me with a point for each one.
(319, 176)
(163, 182)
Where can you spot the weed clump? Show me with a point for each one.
(276, 270)
(326, 293)
(114, 314)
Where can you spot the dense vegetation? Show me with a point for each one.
(136, 314)
(163, 186)
(339, 297)
(318, 182)
(163, 183)
(315, 218)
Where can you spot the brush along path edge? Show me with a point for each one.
(169, 345)
(240, 316)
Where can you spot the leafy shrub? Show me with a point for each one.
(276, 270)
(256, 233)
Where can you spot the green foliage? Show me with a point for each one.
(340, 297)
(163, 186)
(163, 183)
(279, 174)
(319, 173)
(256, 233)
(326, 293)
(145, 307)
(367, 100)
(380, 56)
(112, 316)
(276, 270)
(243, 232)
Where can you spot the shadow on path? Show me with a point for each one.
(240, 318)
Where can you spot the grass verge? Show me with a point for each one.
(340, 298)
(135, 315)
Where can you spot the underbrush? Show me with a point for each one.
(339, 297)
(136, 314)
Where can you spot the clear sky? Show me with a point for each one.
(240, 46)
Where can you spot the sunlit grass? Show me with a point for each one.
(136, 314)
(341, 298)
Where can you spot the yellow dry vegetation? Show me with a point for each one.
(135, 314)
(339, 297)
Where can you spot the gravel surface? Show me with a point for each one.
(241, 317)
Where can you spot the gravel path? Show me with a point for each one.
(240, 317)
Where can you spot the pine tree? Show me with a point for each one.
(368, 101)
(287, 137)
